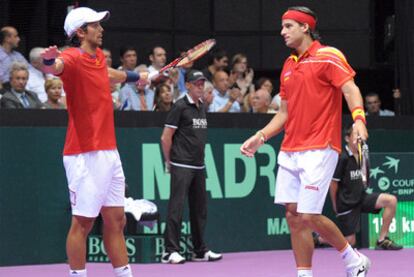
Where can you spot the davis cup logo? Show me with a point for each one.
(392, 173)
(384, 183)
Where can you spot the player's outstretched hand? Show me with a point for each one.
(251, 145)
(49, 53)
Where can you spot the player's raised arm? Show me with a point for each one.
(52, 64)
(120, 76)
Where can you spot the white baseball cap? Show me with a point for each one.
(80, 16)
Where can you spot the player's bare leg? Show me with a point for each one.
(326, 228)
(113, 235)
(389, 203)
(76, 241)
(301, 238)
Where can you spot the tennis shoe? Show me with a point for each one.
(387, 244)
(361, 270)
(208, 256)
(172, 258)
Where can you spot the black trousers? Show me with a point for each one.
(192, 183)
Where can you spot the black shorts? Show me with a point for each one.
(349, 221)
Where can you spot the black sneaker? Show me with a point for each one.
(387, 244)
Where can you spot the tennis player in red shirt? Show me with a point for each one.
(93, 168)
(313, 80)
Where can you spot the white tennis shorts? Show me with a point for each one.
(304, 178)
(95, 180)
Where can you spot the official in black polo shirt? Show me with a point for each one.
(183, 141)
(350, 199)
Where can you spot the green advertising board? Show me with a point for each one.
(401, 229)
(393, 173)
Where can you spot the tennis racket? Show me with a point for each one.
(364, 163)
(191, 55)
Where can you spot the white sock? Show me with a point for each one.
(305, 273)
(78, 272)
(123, 271)
(350, 256)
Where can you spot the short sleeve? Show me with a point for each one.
(69, 58)
(173, 117)
(340, 168)
(338, 69)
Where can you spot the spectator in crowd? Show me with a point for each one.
(37, 78)
(9, 41)
(163, 98)
(172, 80)
(218, 61)
(373, 106)
(53, 88)
(241, 74)
(115, 88)
(208, 95)
(267, 84)
(108, 56)
(17, 97)
(350, 199)
(128, 57)
(225, 99)
(261, 101)
(158, 58)
(137, 96)
(183, 142)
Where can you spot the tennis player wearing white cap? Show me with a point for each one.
(93, 168)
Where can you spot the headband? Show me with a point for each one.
(300, 17)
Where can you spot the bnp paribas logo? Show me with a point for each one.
(384, 182)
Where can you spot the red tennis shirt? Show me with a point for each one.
(88, 96)
(311, 85)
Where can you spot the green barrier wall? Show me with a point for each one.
(34, 206)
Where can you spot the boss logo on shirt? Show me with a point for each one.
(355, 174)
(199, 123)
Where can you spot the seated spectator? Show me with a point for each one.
(17, 97)
(37, 78)
(115, 88)
(128, 57)
(53, 88)
(350, 200)
(208, 95)
(373, 106)
(9, 40)
(163, 98)
(218, 61)
(158, 59)
(266, 83)
(108, 56)
(225, 99)
(241, 74)
(137, 96)
(261, 102)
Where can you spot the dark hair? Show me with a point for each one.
(3, 35)
(371, 94)
(348, 130)
(124, 49)
(313, 33)
(261, 81)
(74, 41)
(216, 54)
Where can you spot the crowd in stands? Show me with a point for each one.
(231, 85)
